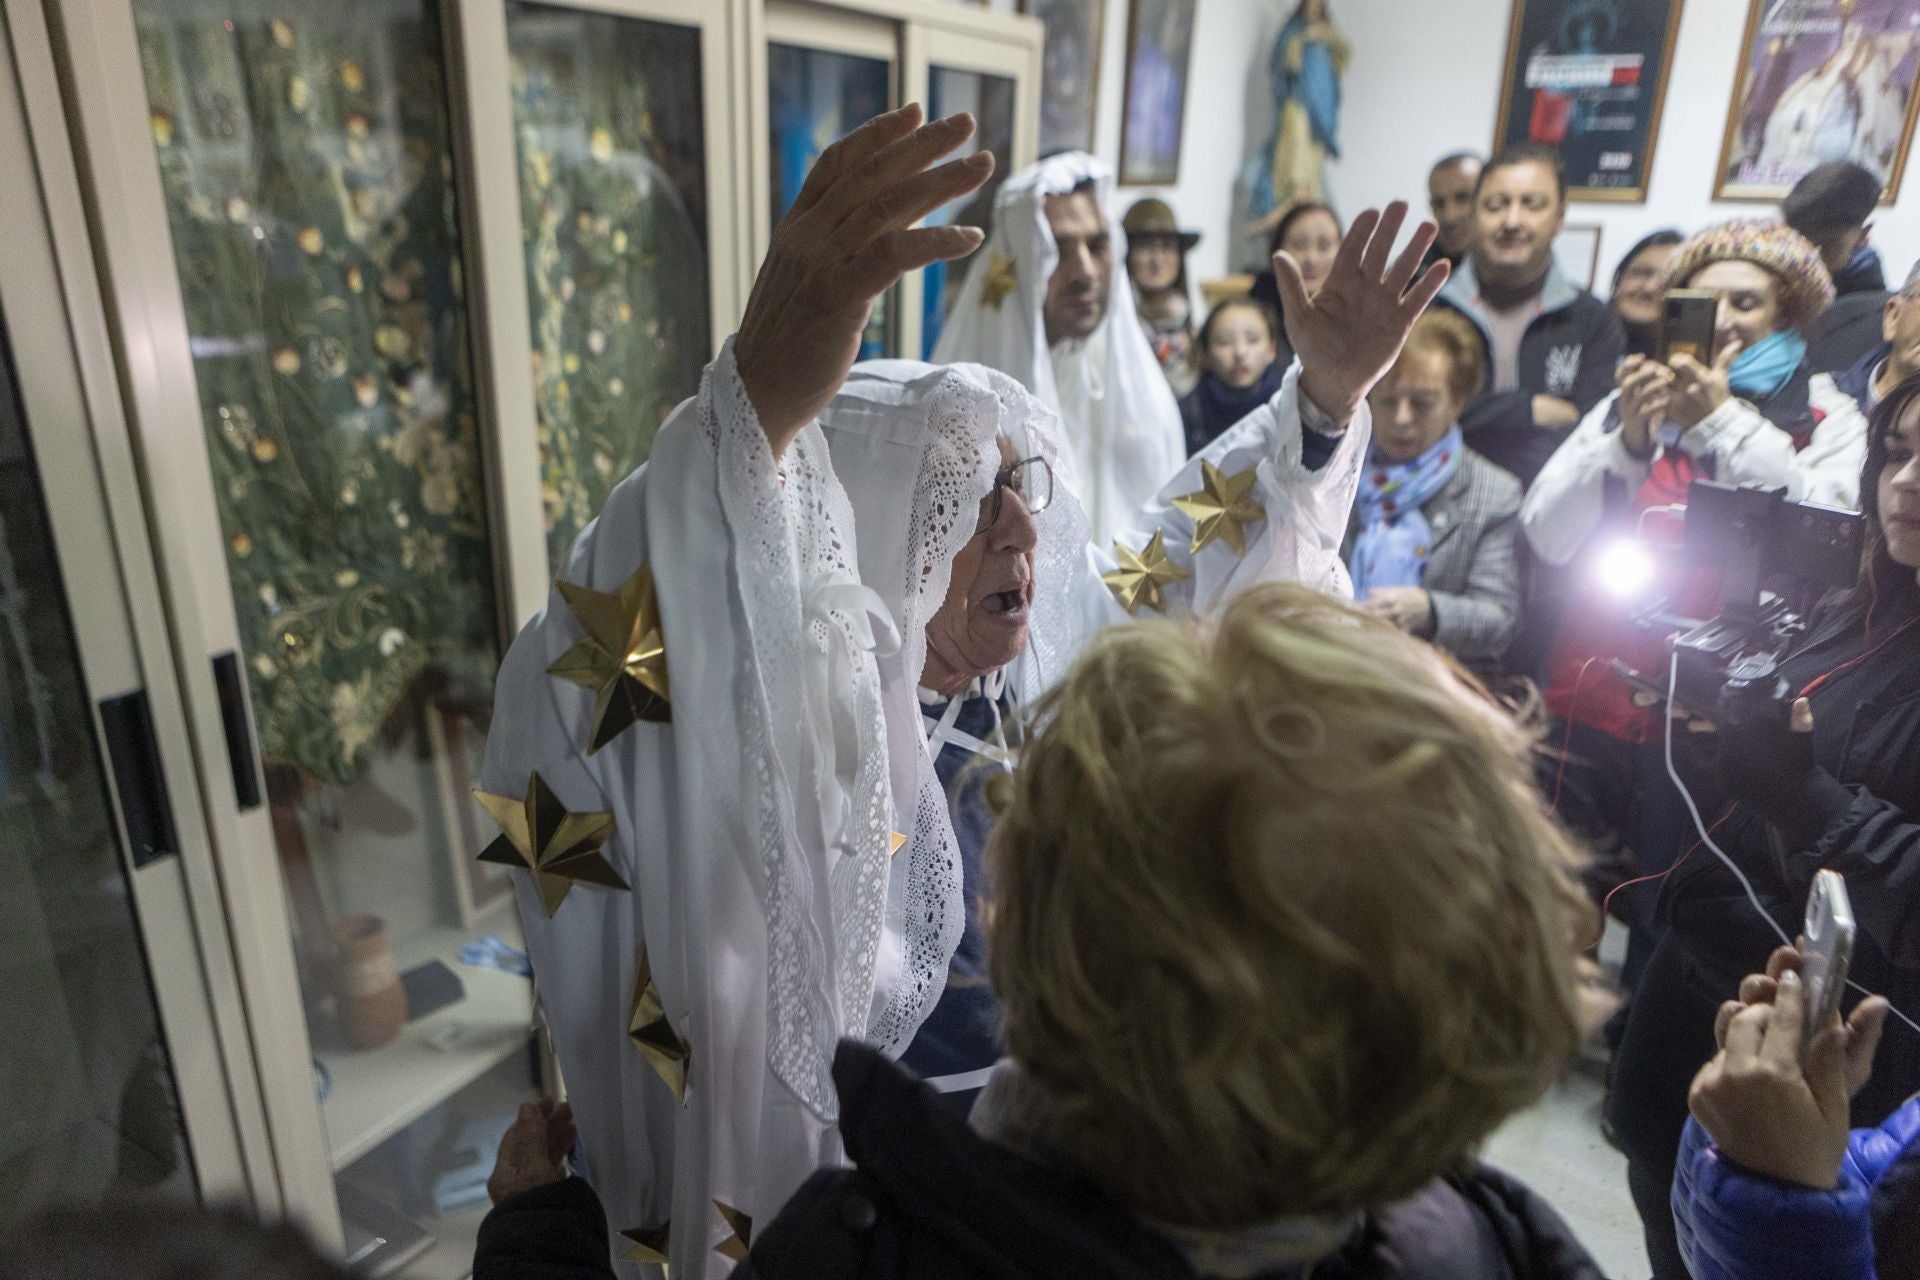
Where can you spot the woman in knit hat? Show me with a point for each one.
(1745, 413)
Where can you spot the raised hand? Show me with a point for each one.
(1349, 333)
(847, 239)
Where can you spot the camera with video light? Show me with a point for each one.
(1775, 559)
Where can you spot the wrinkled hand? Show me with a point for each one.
(1646, 397)
(1699, 389)
(1863, 1028)
(848, 238)
(1769, 1114)
(1765, 765)
(1408, 608)
(533, 1152)
(1350, 332)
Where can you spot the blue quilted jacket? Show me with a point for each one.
(1738, 1226)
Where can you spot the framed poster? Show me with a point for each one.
(1070, 72)
(1820, 80)
(1159, 40)
(1588, 78)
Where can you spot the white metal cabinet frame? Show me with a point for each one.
(58, 329)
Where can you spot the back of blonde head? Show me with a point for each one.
(1279, 925)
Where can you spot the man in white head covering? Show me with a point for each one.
(1040, 305)
(772, 843)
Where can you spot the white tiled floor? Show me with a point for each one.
(1557, 1149)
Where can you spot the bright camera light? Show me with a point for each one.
(1625, 568)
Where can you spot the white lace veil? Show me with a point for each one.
(1135, 441)
(913, 446)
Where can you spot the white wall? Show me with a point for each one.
(1229, 111)
(1421, 87)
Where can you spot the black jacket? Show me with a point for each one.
(1570, 350)
(930, 1200)
(1859, 815)
(1845, 332)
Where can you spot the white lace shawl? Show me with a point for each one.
(755, 829)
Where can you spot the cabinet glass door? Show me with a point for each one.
(88, 1102)
(815, 96)
(991, 99)
(306, 159)
(610, 137)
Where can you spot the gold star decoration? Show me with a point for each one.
(649, 1243)
(1001, 280)
(736, 1245)
(558, 847)
(1222, 508)
(1140, 576)
(896, 841)
(622, 658)
(647, 1026)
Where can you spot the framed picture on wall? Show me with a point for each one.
(1070, 71)
(1588, 78)
(1820, 80)
(1159, 42)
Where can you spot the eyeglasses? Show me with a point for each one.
(1031, 478)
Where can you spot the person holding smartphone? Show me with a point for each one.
(1836, 786)
(1772, 1184)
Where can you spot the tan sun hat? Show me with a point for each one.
(1152, 217)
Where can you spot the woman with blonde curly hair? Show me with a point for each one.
(1282, 933)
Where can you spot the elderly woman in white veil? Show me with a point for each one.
(765, 838)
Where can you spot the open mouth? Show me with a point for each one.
(1011, 605)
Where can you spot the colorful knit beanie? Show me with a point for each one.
(1805, 288)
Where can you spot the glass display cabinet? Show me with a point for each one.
(828, 72)
(324, 330)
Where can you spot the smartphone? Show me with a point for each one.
(1687, 318)
(1826, 951)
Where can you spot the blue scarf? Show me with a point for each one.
(1764, 367)
(1395, 538)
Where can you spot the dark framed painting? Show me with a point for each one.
(1588, 78)
(1159, 49)
(1821, 80)
(1070, 71)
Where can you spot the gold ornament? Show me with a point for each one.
(1000, 281)
(663, 1047)
(650, 1243)
(896, 841)
(736, 1245)
(1222, 508)
(558, 847)
(623, 657)
(1140, 576)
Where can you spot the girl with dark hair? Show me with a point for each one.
(1310, 232)
(1639, 283)
(1838, 789)
(1240, 369)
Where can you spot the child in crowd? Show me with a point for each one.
(1240, 370)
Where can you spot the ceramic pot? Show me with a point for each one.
(372, 1003)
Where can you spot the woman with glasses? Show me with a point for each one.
(850, 576)
(1639, 284)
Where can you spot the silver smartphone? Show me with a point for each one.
(1826, 951)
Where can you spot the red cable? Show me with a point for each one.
(1566, 743)
(1817, 681)
(1606, 903)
